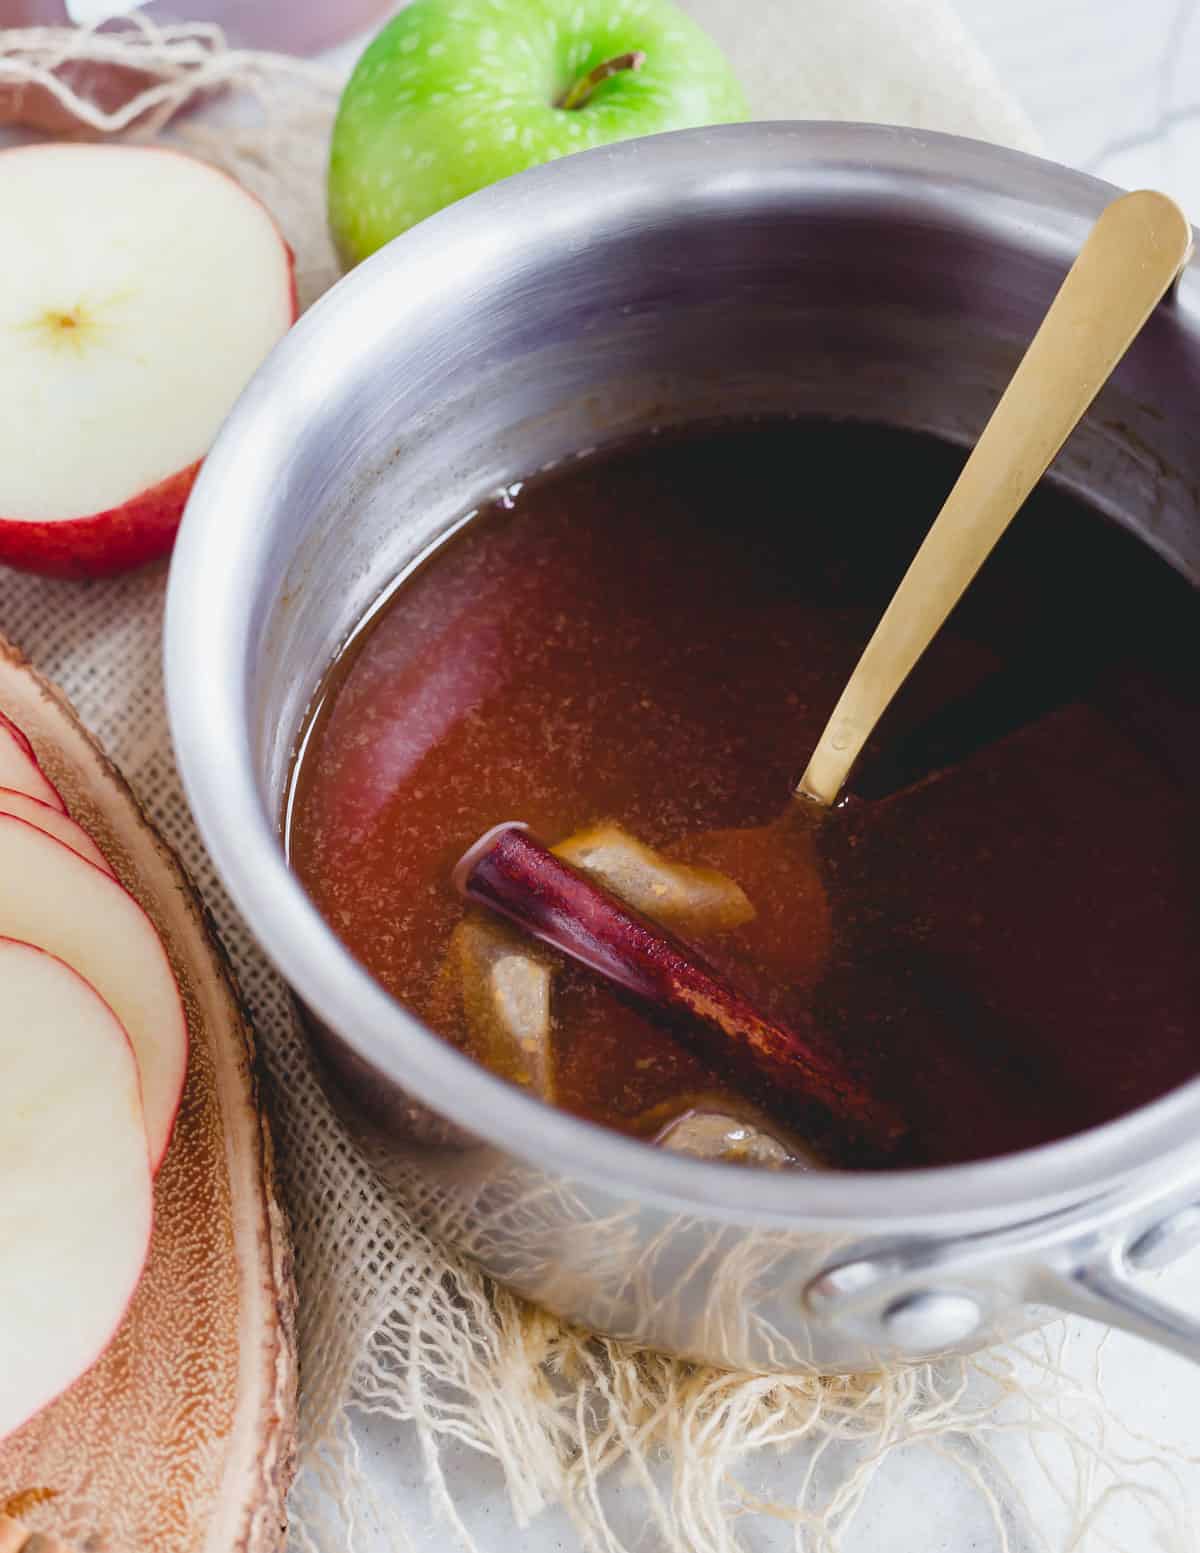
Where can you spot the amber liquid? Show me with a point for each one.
(1005, 940)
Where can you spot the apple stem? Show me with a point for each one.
(587, 84)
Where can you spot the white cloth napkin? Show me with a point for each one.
(891, 61)
(888, 61)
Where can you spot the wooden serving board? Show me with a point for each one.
(181, 1438)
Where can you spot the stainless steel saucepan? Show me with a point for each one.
(854, 271)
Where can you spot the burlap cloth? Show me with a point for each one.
(392, 1327)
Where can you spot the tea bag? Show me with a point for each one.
(505, 989)
(690, 899)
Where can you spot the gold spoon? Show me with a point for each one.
(1132, 254)
(1130, 258)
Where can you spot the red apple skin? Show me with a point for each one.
(19, 735)
(23, 743)
(10, 793)
(141, 529)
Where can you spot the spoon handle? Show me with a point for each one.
(1132, 254)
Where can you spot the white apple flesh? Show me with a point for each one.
(61, 826)
(19, 768)
(51, 898)
(75, 1186)
(141, 290)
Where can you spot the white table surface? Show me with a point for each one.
(1113, 86)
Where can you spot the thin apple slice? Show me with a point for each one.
(210, 1336)
(19, 768)
(142, 288)
(19, 736)
(51, 897)
(75, 1192)
(55, 823)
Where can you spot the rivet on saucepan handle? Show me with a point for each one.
(921, 1297)
(875, 1297)
(930, 1321)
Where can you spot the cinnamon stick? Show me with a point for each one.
(512, 873)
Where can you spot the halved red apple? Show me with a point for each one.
(75, 1189)
(19, 768)
(55, 823)
(51, 898)
(141, 290)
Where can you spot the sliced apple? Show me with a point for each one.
(19, 735)
(52, 898)
(19, 768)
(182, 1436)
(141, 290)
(55, 823)
(75, 1192)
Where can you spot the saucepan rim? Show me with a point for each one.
(211, 620)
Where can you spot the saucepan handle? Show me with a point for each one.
(1103, 1288)
(924, 1298)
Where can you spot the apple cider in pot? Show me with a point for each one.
(634, 654)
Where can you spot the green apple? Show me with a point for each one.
(455, 94)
